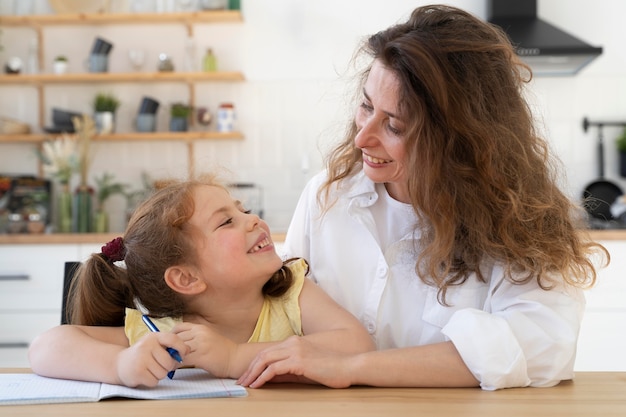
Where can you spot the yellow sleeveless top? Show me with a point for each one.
(279, 317)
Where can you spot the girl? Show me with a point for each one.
(195, 258)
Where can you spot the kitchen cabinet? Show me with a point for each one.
(602, 341)
(31, 288)
(39, 81)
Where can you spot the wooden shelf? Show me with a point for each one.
(214, 16)
(41, 81)
(122, 77)
(72, 238)
(131, 137)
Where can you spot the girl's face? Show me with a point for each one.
(380, 132)
(236, 248)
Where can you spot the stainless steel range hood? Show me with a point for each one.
(546, 48)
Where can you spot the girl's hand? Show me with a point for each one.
(147, 362)
(298, 360)
(207, 349)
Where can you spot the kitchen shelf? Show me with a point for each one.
(122, 77)
(42, 80)
(130, 137)
(78, 19)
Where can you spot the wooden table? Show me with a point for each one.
(591, 394)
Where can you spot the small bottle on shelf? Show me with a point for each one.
(209, 62)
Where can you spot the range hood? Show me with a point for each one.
(547, 49)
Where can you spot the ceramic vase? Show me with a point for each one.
(82, 206)
(105, 122)
(178, 124)
(101, 222)
(64, 210)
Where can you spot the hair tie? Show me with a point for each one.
(114, 250)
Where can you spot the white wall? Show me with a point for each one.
(294, 54)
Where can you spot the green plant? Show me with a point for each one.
(105, 188)
(105, 102)
(60, 58)
(621, 141)
(180, 110)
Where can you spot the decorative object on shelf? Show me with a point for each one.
(105, 188)
(104, 106)
(78, 6)
(190, 64)
(179, 117)
(32, 61)
(165, 63)
(226, 117)
(59, 65)
(99, 55)
(621, 148)
(65, 217)
(146, 119)
(13, 65)
(137, 58)
(209, 62)
(85, 129)
(59, 159)
(213, 4)
(135, 197)
(204, 116)
(10, 126)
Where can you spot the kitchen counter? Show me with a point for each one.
(16, 239)
(71, 238)
(589, 394)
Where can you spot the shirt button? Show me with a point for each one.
(371, 328)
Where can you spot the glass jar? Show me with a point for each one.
(226, 117)
(35, 223)
(16, 223)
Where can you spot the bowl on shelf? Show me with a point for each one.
(63, 118)
(13, 127)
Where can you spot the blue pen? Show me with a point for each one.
(173, 352)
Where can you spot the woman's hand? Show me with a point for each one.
(147, 361)
(208, 349)
(298, 360)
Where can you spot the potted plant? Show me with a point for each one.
(621, 148)
(179, 113)
(59, 65)
(105, 188)
(104, 106)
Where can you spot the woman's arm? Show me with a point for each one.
(102, 354)
(436, 365)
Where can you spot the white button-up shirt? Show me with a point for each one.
(509, 335)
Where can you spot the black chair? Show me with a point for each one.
(68, 275)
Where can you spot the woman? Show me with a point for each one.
(439, 223)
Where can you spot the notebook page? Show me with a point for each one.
(35, 389)
(187, 383)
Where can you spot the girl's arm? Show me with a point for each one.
(330, 326)
(325, 324)
(102, 354)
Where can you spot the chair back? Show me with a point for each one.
(68, 276)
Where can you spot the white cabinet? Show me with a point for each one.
(31, 288)
(602, 342)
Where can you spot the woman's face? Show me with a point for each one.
(381, 132)
(235, 250)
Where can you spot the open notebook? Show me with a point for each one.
(188, 383)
